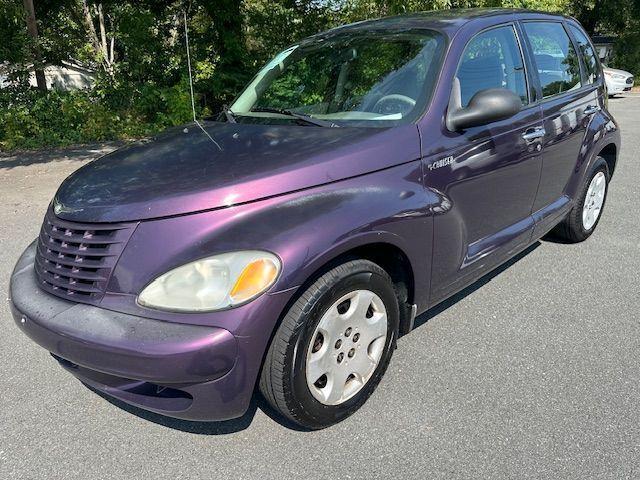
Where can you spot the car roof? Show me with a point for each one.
(448, 20)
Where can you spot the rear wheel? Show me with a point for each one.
(585, 215)
(333, 346)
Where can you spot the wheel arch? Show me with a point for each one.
(391, 257)
(604, 143)
(610, 154)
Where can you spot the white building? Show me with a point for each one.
(67, 76)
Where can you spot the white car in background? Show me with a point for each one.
(617, 81)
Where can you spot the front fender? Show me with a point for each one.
(306, 229)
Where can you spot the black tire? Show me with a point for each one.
(283, 382)
(571, 229)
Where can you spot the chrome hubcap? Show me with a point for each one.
(346, 347)
(593, 201)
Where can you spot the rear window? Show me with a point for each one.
(588, 55)
(555, 58)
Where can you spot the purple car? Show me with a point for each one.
(364, 175)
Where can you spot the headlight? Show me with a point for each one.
(213, 283)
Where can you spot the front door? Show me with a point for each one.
(489, 176)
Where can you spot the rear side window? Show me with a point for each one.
(492, 59)
(556, 60)
(587, 53)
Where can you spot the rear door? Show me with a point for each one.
(488, 174)
(567, 103)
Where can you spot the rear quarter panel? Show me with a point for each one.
(601, 130)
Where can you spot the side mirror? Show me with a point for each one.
(485, 106)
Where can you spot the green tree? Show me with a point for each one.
(137, 50)
(13, 34)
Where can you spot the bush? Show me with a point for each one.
(34, 119)
(626, 54)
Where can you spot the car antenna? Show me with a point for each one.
(193, 104)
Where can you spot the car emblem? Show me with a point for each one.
(443, 162)
(59, 208)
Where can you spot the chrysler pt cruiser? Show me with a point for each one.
(363, 176)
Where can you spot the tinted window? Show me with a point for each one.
(492, 59)
(556, 60)
(587, 53)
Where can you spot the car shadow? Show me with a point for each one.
(462, 294)
(621, 96)
(257, 401)
(553, 237)
(224, 427)
(79, 153)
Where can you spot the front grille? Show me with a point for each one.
(630, 80)
(75, 260)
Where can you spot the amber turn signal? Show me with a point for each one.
(255, 278)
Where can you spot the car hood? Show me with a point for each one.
(615, 70)
(189, 169)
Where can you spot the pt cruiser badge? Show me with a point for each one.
(441, 163)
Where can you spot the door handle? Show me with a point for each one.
(534, 133)
(591, 109)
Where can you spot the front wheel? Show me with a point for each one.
(333, 346)
(585, 215)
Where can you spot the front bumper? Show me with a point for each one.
(618, 86)
(184, 371)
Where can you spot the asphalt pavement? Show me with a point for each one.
(533, 372)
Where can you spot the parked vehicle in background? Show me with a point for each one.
(364, 175)
(618, 81)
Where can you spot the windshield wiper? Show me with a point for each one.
(299, 116)
(228, 114)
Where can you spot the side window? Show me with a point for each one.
(587, 53)
(492, 59)
(556, 60)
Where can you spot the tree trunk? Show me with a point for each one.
(32, 27)
(101, 46)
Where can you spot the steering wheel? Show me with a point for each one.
(394, 103)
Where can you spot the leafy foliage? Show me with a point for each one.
(13, 35)
(143, 85)
(32, 119)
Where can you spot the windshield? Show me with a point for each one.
(358, 78)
